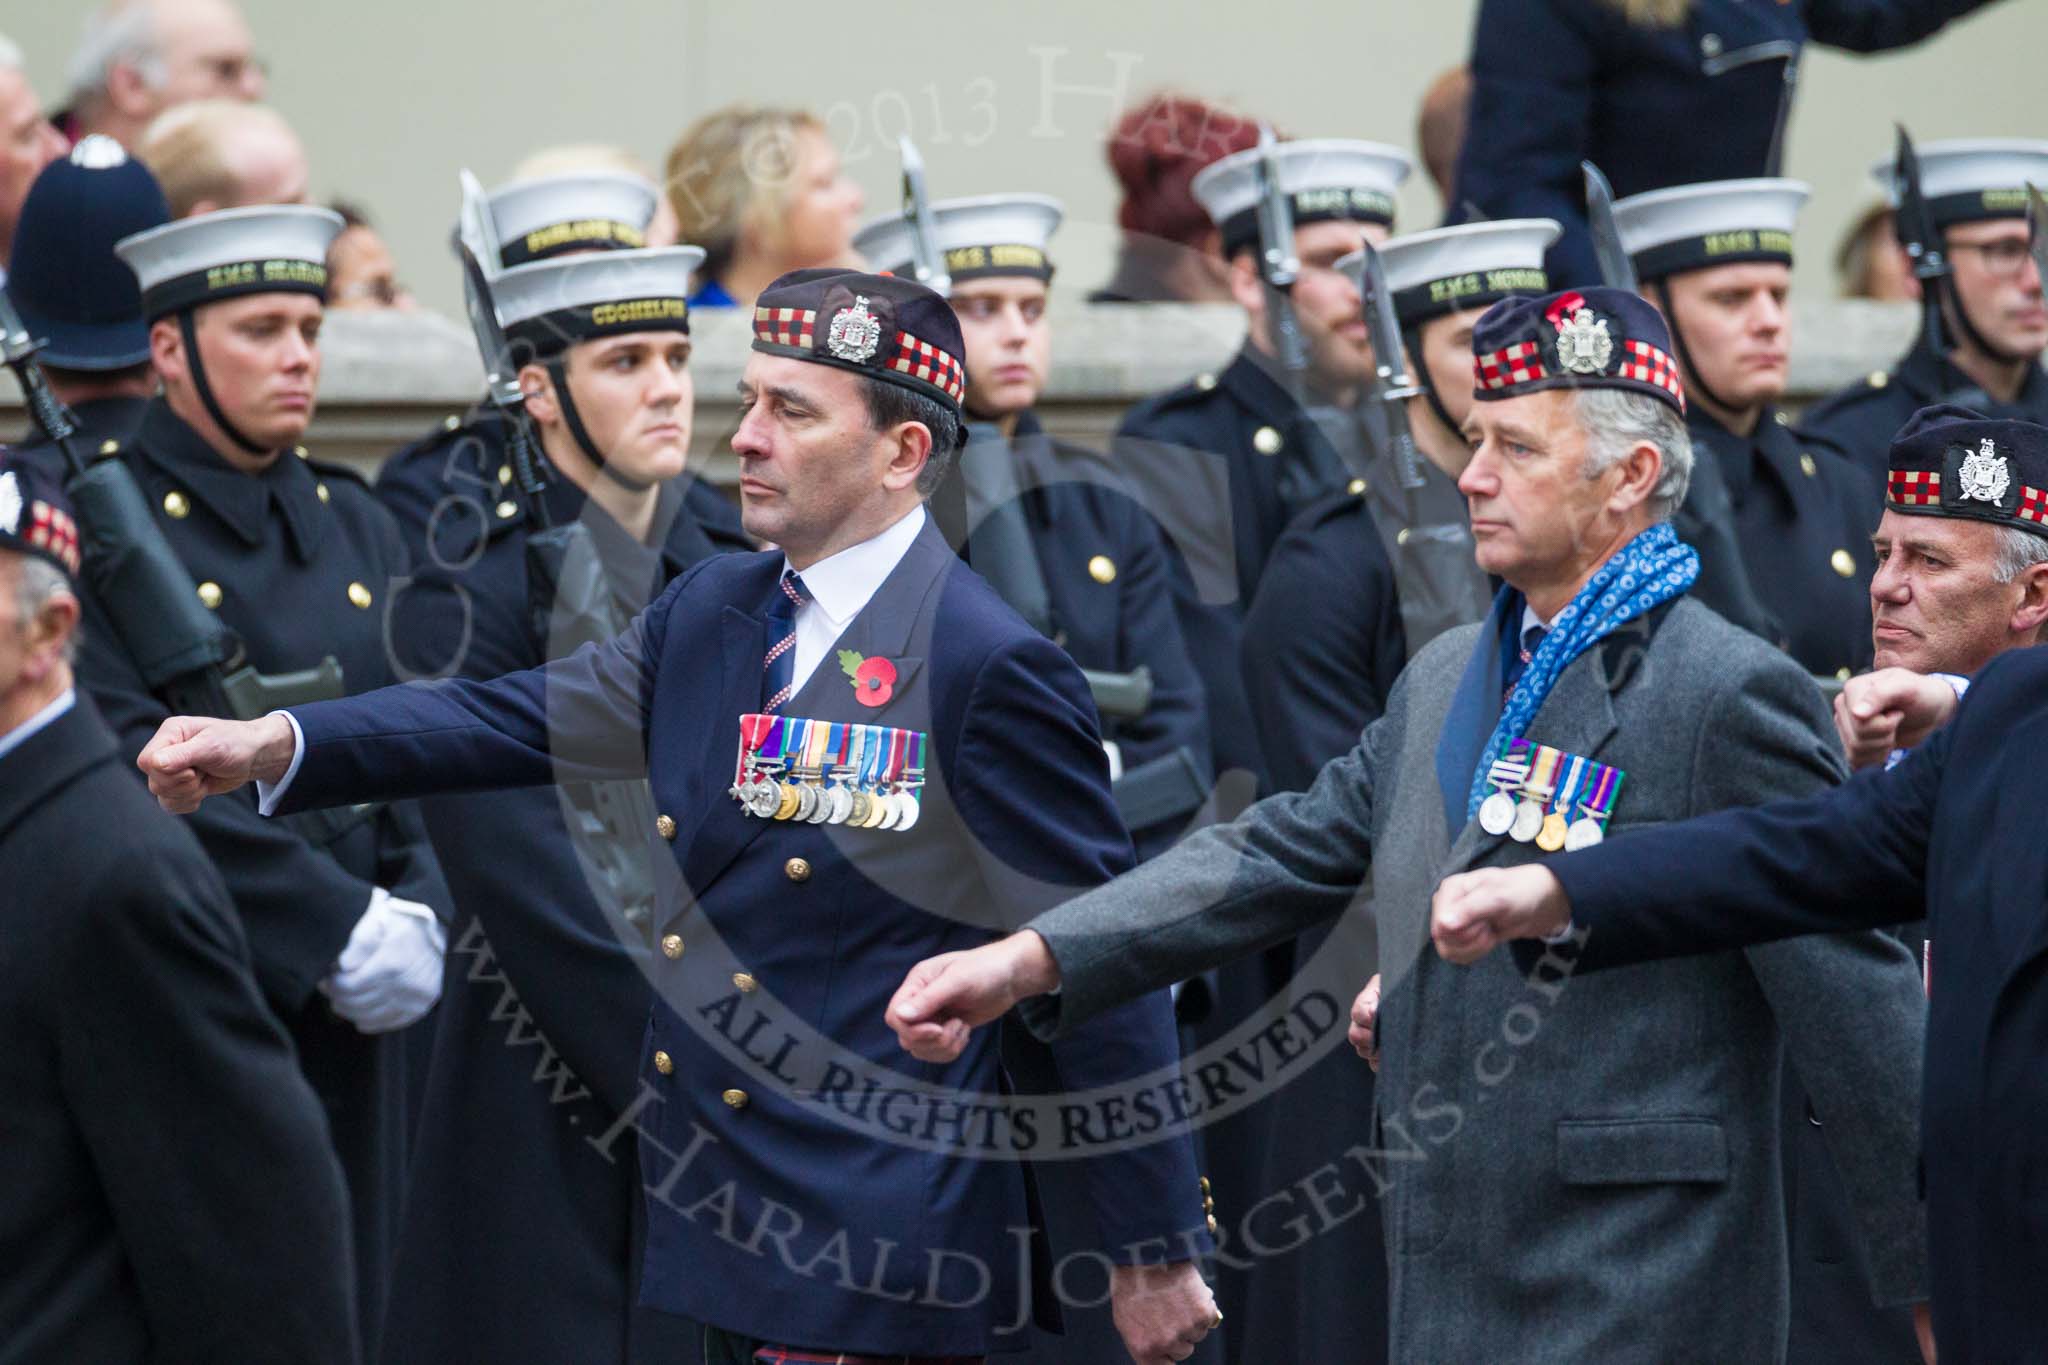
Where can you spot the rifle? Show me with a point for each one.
(1279, 267)
(1922, 245)
(187, 658)
(1437, 581)
(928, 265)
(1120, 696)
(570, 601)
(1617, 271)
(1393, 385)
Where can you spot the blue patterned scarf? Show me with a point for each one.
(1648, 571)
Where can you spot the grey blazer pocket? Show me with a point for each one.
(1641, 1151)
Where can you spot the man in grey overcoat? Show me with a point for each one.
(1571, 1169)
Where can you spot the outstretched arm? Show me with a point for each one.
(1852, 858)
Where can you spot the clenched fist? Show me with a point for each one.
(945, 998)
(1893, 708)
(1474, 912)
(193, 757)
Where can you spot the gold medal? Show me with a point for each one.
(791, 797)
(1551, 837)
(857, 817)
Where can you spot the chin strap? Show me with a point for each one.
(558, 374)
(1954, 299)
(1411, 337)
(196, 364)
(1693, 381)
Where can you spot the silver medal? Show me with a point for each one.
(1528, 822)
(1584, 833)
(906, 810)
(1497, 814)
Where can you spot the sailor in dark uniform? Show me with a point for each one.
(1224, 463)
(1050, 524)
(1324, 641)
(1717, 260)
(540, 1013)
(1995, 321)
(344, 917)
(1652, 102)
(1227, 460)
(74, 294)
(458, 480)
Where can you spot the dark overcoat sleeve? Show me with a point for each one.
(211, 1148)
(1877, 25)
(1851, 858)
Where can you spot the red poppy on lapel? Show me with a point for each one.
(874, 679)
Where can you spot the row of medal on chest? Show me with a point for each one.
(1548, 797)
(829, 772)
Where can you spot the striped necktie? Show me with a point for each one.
(1532, 640)
(778, 669)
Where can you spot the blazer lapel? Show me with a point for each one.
(886, 626)
(1474, 711)
(1577, 717)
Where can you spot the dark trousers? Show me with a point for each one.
(726, 1348)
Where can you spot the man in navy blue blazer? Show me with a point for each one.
(861, 758)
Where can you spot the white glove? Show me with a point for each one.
(390, 972)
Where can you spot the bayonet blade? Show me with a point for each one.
(1921, 243)
(14, 337)
(1276, 218)
(1395, 385)
(928, 265)
(1617, 271)
(476, 246)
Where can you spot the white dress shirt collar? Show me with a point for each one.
(837, 588)
(41, 720)
(841, 584)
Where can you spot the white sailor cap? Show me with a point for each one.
(1721, 222)
(1472, 265)
(549, 306)
(268, 249)
(584, 211)
(991, 234)
(1970, 179)
(1324, 178)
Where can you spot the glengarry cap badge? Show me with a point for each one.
(855, 334)
(1984, 474)
(1584, 345)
